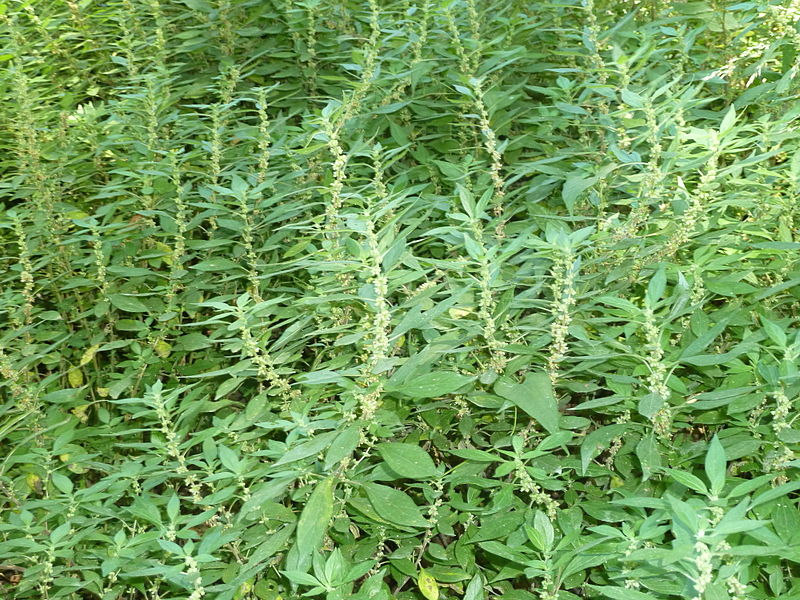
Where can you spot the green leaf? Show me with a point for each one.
(632, 98)
(775, 332)
(650, 404)
(620, 593)
(776, 492)
(536, 537)
(314, 519)
(395, 506)
(216, 264)
(474, 590)
(60, 532)
(573, 187)
(193, 341)
(716, 465)
(683, 513)
(62, 482)
(749, 486)
(343, 446)
(432, 385)
(648, 455)
(598, 441)
(535, 397)
(473, 455)
(127, 303)
(656, 287)
(449, 170)
(503, 551)
(301, 578)
(229, 459)
(728, 120)
(687, 479)
(227, 386)
(309, 448)
(173, 507)
(408, 460)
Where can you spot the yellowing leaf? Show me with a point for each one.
(81, 412)
(162, 349)
(245, 589)
(75, 378)
(88, 355)
(34, 482)
(427, 585)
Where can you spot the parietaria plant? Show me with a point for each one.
(406, 299)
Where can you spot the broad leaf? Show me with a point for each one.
(408, 460)
(716, 465)
(535, 397)
(395, 506)
(127, 303)
(314, 519)
(432, 385)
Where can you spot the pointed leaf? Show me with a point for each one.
(127, 303)
(649, 456)
(432, 385)
(395, 506)
(474, 590)
(620, 593)
(573, 187)
(535, 397)
(408, 460)
(427, 585)
(689, 480)
(314, 519)
(597, 441)
(229, 459)
(716, 465)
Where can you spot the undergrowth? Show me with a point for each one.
(403, 299)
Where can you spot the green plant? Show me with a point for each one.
(403, 299)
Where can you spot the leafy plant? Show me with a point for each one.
(415, 300)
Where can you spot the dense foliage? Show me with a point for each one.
(403, 299)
